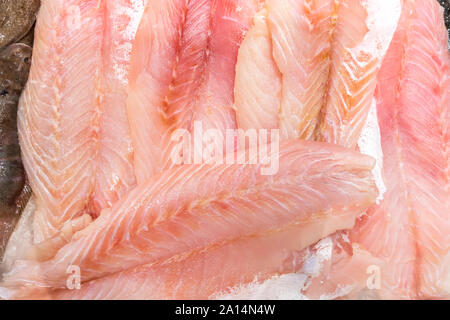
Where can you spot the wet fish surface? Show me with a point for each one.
(111, 202)
(16, 19)
(14, 68)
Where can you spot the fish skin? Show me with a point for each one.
(186, 75)
(327, 81)
(14, 67)
(17, 18)
(412, 224)
(157, 221)
(75, 160)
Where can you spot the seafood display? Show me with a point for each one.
(201, 149)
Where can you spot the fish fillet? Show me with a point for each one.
(317, 96)
(73, 130)
(320, 60)
(412, 224)
(191, 208)
(218, 270)
(182, 71)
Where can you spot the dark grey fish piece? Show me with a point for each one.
(446, 5)
(15, 63)
(16, 19)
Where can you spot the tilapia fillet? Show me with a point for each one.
(408, 232)
(308, 68)
(73, 127)
(193, 208)
(320, 60)
(182, 72)
(209, 273)
(412, 224)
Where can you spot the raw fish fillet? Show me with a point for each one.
(182, 71)
(193, 208)
(320, 60)
(218, 270)
(410, 229)
(408, 232)
(73, 127)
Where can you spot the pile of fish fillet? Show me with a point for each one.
(359, 207)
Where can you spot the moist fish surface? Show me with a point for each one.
(194, 208)
(223, 268)
(412, 223)
(320, 60)
(182, 73)
(73, 130)
(323, 88)
(14, 67)
(308, 68)
(408, 231)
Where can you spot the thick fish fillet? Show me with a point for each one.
(194, 207)
(182, 71)
(73, 130)
(320, 60)
(410, 229)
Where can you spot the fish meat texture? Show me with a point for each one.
(412, 224)
(73, 131)
(408, 232)
(195, 207)
(182, 71)
(210, 273)
(198, 219)
(320, 59)
(333, 75)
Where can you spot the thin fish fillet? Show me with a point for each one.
(114, 169)
(75, 141)
(320, 60)
(410, 229)
(209, 273)
(182, 71)
(259, 108)
(255, 58)
(302, 36)
(194, 207)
